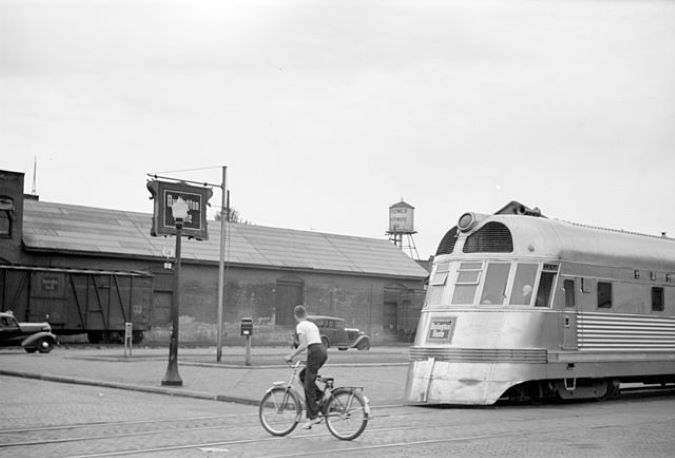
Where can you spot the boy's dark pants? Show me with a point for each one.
(316, 357)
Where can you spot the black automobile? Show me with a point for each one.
(31, 336)
(334, 333)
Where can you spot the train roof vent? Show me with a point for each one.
(448, 242)
(491, 238)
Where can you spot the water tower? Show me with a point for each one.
(402, 227)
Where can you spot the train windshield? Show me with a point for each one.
(521, 293)
(492, 283)
(468, 278)
(494, 290)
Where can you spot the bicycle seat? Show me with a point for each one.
(325, 379)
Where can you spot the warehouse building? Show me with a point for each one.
(77, 266)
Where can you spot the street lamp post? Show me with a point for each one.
(179, 210)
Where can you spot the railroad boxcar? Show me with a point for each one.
(522, 306)
(77, 301)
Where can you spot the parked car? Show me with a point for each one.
(334, 333)
(31, 336)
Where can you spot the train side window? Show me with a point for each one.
(545, 288)
(604, 295)
(468, 278)
(521, 293)
(657, 299)
(495, 283)
(570, 299)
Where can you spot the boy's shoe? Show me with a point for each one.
(314, 421)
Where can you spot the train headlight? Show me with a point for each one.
(468, 221)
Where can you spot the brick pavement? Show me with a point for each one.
(382, 372)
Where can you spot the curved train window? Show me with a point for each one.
(440, 275)
(494, 288)
(468, 278)
(491, 238)
(521, 294)
(546, 285)
(570, 299)
(604, 295)
(437, 283)
(448, 242)
(657, 299)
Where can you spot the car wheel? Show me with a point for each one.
(45, 345)
(324, 341)
(342, 348)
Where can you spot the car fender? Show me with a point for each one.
(362, 343)
(32, 339)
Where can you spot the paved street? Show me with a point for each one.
(42, 418)
(382, 370)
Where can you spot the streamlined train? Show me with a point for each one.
(522, 306)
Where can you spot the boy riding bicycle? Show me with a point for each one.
(310, 339)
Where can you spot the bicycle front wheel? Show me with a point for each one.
(347, 413)
(280, 411)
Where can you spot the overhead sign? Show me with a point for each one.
(164, 194)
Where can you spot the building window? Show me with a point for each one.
(657, 299)
(604, 295)
(570, 299)
(6, 216)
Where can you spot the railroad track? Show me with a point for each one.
(393, 431)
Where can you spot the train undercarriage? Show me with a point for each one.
(581, 389)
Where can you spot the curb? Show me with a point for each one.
(131, 387)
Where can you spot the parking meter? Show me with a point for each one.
(247, 331)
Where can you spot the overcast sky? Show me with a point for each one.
(327, 112)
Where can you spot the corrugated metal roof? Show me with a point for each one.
(54, 226)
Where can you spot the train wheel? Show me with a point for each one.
(613, 391)
(113, 337)
(137, 337)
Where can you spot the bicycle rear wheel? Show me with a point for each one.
(280, 411)
(347, 413)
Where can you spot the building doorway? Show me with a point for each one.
(289, 293)
(390, 318)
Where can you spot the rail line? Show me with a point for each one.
(348, 449)
(397, 423)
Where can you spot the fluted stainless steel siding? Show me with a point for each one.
(482, 355)
(612, 331)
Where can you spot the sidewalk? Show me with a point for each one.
(381, 371)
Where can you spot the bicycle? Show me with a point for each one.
(345, 409)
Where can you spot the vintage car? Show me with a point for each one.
(334, 333)
(31, 336)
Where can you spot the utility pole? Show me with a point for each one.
(221, 268)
